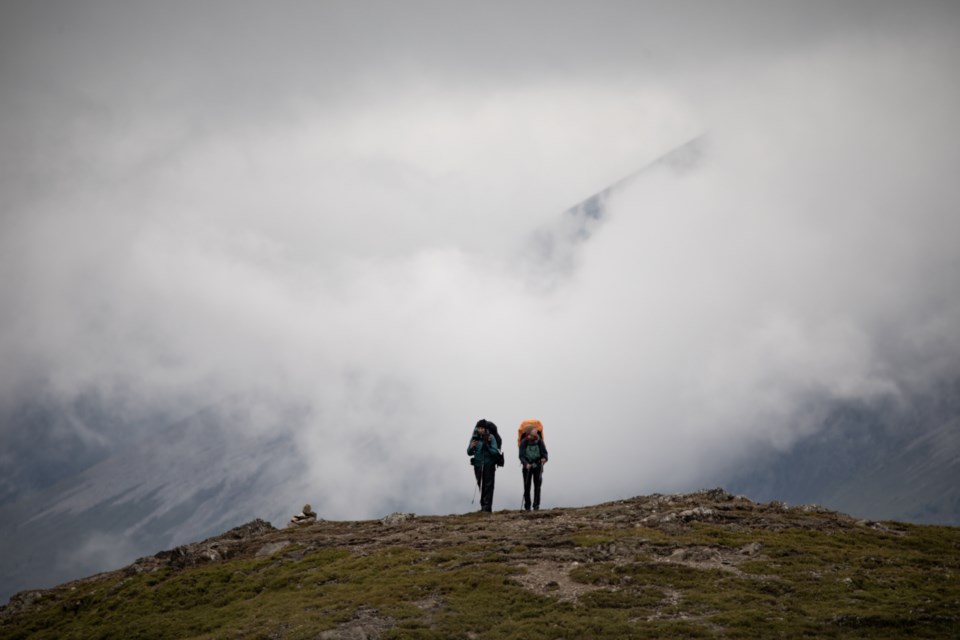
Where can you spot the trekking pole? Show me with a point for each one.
(475, 485)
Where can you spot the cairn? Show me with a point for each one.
(304, 518)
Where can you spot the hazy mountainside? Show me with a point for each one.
(706, 564)
(550, 253)
(894, 461)
(46, 441)
(189, 480)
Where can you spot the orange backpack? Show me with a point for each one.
(527, 426)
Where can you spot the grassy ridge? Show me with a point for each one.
(704, 565)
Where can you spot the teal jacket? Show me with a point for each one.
(484, 453)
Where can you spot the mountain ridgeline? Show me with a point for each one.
(706, 564)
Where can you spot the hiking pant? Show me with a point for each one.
(535, 474)
(486, 474)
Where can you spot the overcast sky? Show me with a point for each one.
(333, 207)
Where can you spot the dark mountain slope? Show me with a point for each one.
(190, 479)
(890, 461)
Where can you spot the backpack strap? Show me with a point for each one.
(524, 444)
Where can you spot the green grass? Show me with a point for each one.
(830, 582)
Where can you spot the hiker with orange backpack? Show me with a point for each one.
(533, 455)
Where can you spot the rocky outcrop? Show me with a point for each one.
(396, 518)
(367, 624)
(222, 547)
(306, 517)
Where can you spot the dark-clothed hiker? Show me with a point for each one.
(533, 455)
(483, 449)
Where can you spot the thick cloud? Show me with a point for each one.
(334, 209)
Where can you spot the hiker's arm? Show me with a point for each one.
(543, 450)
(472, 447)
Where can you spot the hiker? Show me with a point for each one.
(533, 455)
(485, 451)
